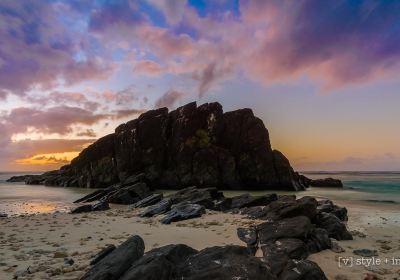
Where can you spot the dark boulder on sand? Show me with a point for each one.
(333, 225)
(302, 270)
(160, 263)
(183, 211)
(114, 265)
(102, 254)
(327, 206)
(192, 145)
(296, 227)
(99, 206)
(228, 262)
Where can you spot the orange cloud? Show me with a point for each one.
(48, 159)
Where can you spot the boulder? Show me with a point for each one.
(3, 215)
(82, 209)
(96, 195)
(148, 201)
(99, 206)
(229, 262)
(223, 204)
(129, 194)
(367, 253)
(278, 253)
(103, 253)
(302, 270)
(327, 206)
(335, 227)
(286, 207)
(327, 182)
(318, 240)
(247, 200)
(249, 236)
(159, 208)
(160, 263)
(297, 227)
(183, 212)
(116, 263)
(256, 212)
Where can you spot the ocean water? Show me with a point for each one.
(377, 187)
(368, 186)
(21, 199)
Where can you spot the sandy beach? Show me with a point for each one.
(47, 244)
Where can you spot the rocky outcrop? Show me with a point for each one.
(327, 182)
(192, 145)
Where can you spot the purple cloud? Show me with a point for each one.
(37, 50)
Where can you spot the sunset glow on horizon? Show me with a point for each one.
(322, 75)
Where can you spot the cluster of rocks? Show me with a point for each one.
(173, 262)
(294, 229)
(192, 145)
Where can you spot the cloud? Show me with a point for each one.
(120, 114)
(43, 160)
(338, 43)
(57, 119)
(115, 14)
(70, 98)
(87, 133)
(169, 99)
(381, 162)
(38, 51)
(206, 79)
(172, 9)
(147, 67)
(27, 149)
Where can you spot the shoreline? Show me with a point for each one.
(36, 205)
(44, 240)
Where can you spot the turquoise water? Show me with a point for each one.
(374, 185)
(18, 198)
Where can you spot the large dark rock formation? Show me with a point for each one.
(191, 145)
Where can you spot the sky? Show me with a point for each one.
(322, 75)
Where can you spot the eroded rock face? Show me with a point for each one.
(192, 145)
